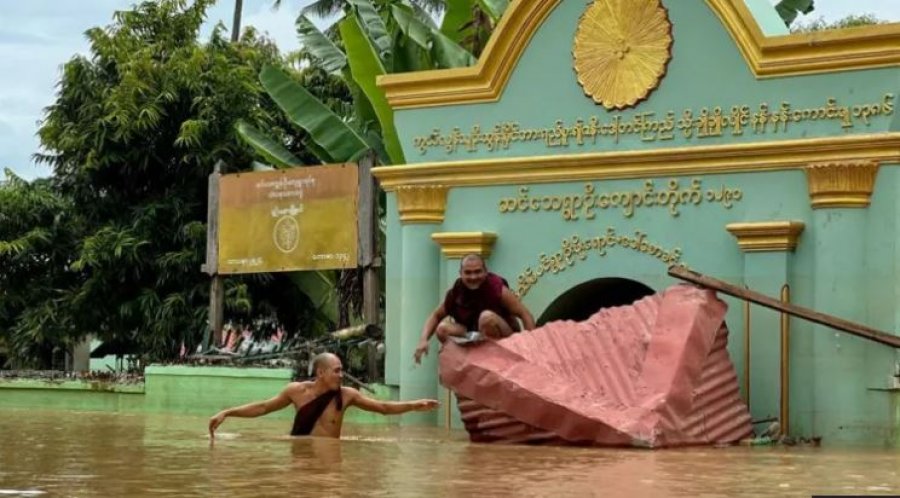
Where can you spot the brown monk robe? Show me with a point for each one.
(321, 403)
(308, 414)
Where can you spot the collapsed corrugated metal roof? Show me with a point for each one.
(653, 374)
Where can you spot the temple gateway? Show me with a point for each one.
(597, 143)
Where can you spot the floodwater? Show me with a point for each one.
(123, 455)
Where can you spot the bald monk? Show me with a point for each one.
(321, 403)
(478, 301)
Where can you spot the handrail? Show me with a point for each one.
(834, 322)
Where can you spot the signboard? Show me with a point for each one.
(288, 220)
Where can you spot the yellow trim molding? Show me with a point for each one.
(827, 51)
(455, 245)
(422, 203)
(731, 158)
(846, 184)
(822, 52)
(767, 235)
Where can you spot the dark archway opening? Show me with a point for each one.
(585, 299)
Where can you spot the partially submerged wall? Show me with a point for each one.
(167, 389)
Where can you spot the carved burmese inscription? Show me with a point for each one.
(737, 121)
(576, 249)
(671, 196)
(583, 205)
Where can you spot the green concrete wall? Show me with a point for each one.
(71, 395)
(171, 389)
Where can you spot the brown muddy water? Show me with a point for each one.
(78, 454)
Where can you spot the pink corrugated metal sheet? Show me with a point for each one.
(652, 374)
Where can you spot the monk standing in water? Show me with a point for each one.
(320, 403)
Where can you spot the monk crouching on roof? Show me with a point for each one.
(320, 403)
(479, 301)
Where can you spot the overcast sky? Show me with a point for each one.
(38, 36)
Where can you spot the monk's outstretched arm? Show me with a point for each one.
(250, 410)
(428, 330)
(368, 404)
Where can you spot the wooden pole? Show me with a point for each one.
(368, 261)
(807, 314)
(216, 286)
(747, 351)
(785, 362)
(236, 21)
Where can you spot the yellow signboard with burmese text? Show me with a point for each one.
(288, 220)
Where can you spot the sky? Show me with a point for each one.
(38, 36)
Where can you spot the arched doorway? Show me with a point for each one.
(585, 299)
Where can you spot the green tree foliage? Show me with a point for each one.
(327, 8)
(851, 21)
(136, 128)
(38, 236)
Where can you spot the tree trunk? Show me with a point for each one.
(236, 25)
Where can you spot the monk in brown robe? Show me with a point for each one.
(479, 301)
(321, 403)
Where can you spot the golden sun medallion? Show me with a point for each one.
(621, 50)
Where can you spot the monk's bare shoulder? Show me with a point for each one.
(349, 394)
(297, 388)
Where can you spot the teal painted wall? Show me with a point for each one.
(697, 232)
(706, 70)
(837, 383)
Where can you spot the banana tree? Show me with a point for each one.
(328, 8)
(373, 39)
(374, 43)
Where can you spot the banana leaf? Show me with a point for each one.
(421, 13)
(494, 8)
(321, 288)
(445, 53)
(319, 46)
(374, 27)
(408, 55)
(325, 128)
(365, 67)
(317, 151)
(459, 13)
(263, 144)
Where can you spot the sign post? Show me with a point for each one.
(216, 286)
(368, 219)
